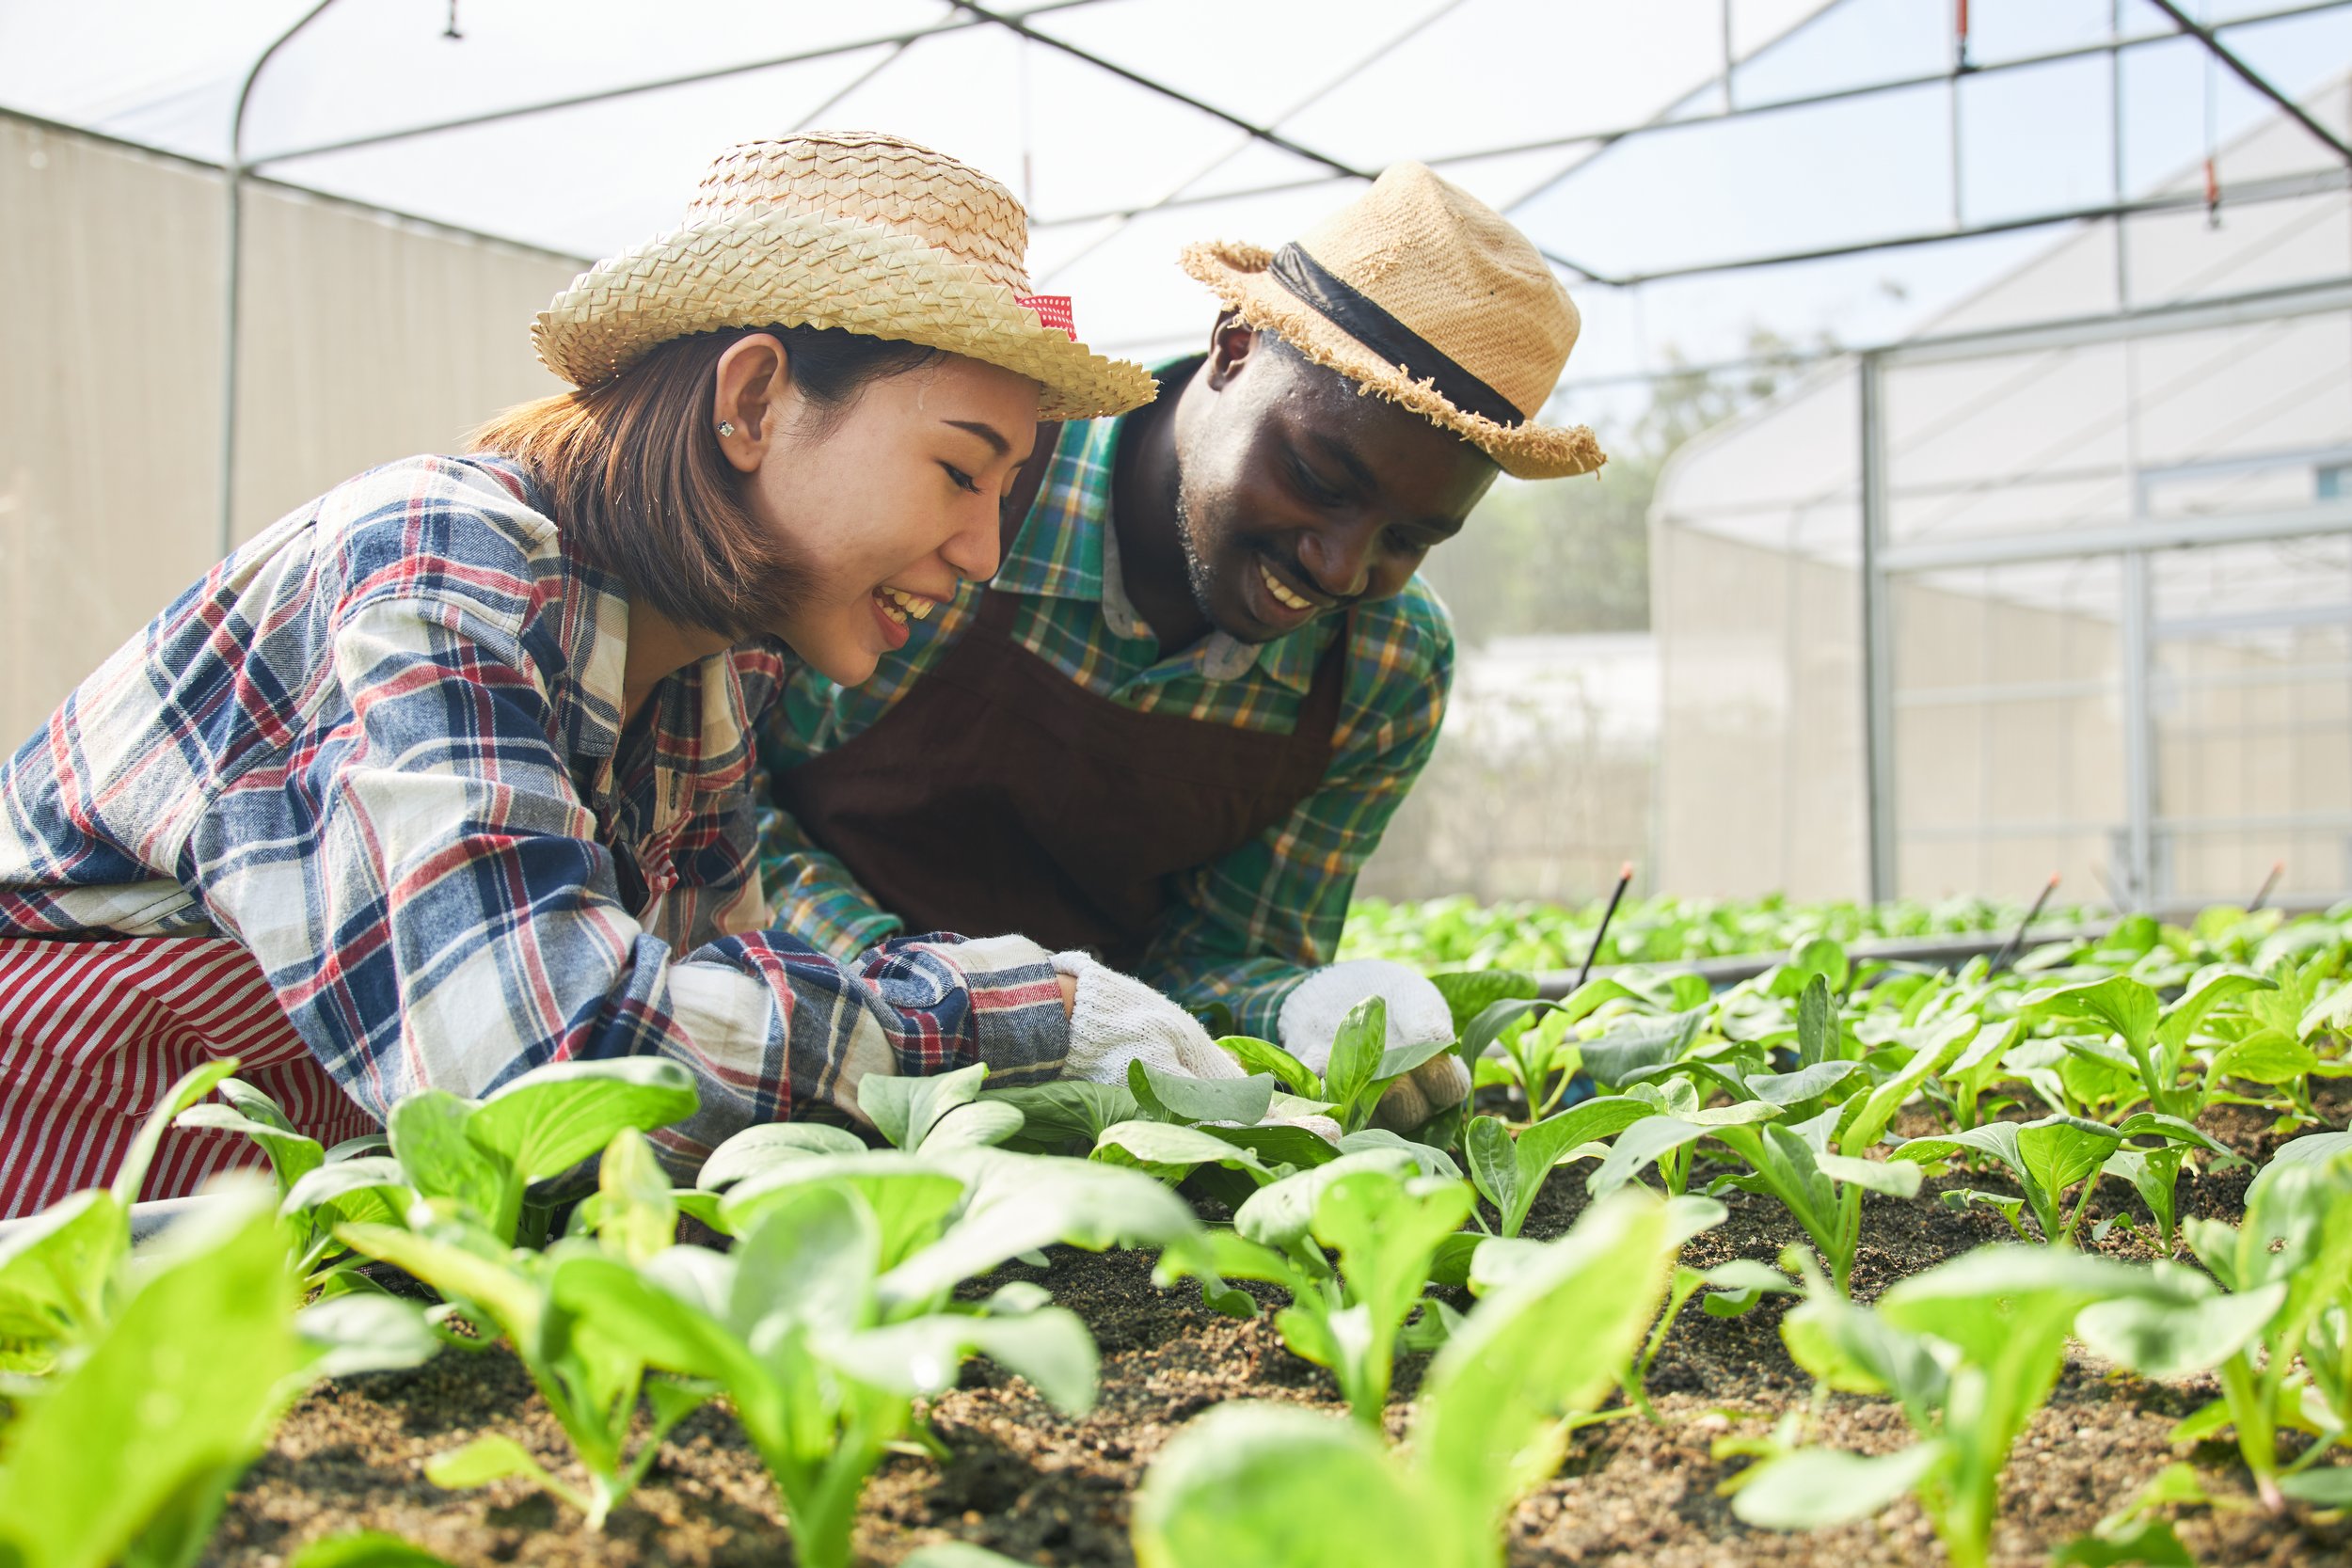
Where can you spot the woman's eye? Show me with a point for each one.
(964, 480)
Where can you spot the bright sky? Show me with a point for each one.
(1445, 79)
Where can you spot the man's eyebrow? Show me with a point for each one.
(1339, 452)
(986, 431)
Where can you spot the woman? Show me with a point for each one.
(445, 776)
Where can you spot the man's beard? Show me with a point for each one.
(1198, 576)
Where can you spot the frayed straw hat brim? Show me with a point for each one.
(786, 268)
(1238, 273)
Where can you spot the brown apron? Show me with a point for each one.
(998, 795)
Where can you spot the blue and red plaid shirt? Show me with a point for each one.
(381, 747)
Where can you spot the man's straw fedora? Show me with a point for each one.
(1423, 294)
(850, 229)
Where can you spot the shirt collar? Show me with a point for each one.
(1069, 550)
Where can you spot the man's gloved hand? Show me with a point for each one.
(1311, 1016)
(1116, 1018)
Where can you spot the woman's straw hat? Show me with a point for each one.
(850, 229)
(1422, 293)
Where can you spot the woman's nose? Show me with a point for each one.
(973, 550)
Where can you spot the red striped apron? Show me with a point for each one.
(91, 1035)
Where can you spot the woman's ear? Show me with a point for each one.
(755, 377)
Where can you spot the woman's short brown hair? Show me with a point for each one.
(642, 490)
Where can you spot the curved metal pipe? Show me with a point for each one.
(235, 170)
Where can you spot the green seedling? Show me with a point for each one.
(1969, 1350)
(2274, 1319)
(475, 1160)
(588, 1370)
(2050, 1156)
(1361, 1066)
(1510, 1172)
(126, 1455)
(1387, 1222)
(320, 1260)
(834, 1311)
(2153, 1038)
(64, 1273)
(1268, 1483)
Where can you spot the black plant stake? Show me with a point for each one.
(1624, 877)
(2277, 869)
(2017, 938)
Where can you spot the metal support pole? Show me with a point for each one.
(2251, 77)
(2138, 740)
(235, 170)
(1878, 660)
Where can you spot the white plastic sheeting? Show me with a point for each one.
(2158, 725)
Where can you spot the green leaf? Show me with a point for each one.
(1167, 1149)
(1870, 1175)
(1637, 1146)
(639, 1214)
(903, 1110)
(2330, 1488)
(755, 1150)
(2119, 1001)
(2170, 1129)
(483, 1461)
(192, 1086)
(1819, 1041)
(1490, 1421)
(2161, 1337)
(2212, 989)
(1807, 1083)
(428, 1133)
(364, 1331)
(1067, 1115)
(1265, 1484)
(911, 1198)
(490, 1282)
(918, 1358)
(981, 1124)
(2266, 1056)
(149, 1432)
(1639, 1044)
(1264, 1056)
(1280, 1215)
(1824, 959)
(1386, 1233)
(1017, 1203)
(1942, 1047)
(552, 1118)
(1470, 993)
(1173, 1097)
(1813, 1488)
(363, 1549)
(1361, 1040)
(1494, 1165)
(367, 1187)
(959, 1554)
(1274, 1144)
(292, 1156)
(55, 1267)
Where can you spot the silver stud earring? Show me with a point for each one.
(727, 427)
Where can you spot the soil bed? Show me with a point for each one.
(1045, 1489)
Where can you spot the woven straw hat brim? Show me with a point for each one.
(783, 268)
(1238, 275)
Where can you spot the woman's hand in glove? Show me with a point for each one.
(1311, 1016)
(1116, 1019)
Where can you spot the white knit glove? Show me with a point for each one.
(1116, 1018)
(1311, 1016)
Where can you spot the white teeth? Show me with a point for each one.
(1282, 595)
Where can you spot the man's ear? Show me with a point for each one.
(1231, 345)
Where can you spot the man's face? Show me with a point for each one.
(1297, 496)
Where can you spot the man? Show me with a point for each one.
(1174, 724)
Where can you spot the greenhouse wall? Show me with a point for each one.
(363, 338)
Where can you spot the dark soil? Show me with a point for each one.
(1039, 1487)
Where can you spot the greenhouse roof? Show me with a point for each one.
(1700, 172)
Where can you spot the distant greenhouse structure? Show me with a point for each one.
(2060, 583)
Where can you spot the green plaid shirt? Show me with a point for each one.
(1243, 928)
